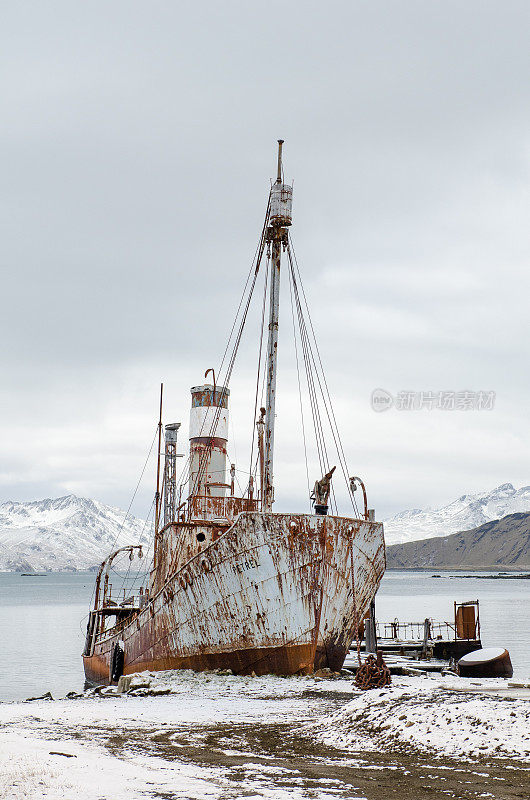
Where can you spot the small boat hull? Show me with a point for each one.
(276, 593)
(490, 662)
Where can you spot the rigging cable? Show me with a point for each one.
(315, 411)
(320, 376)
(126, 577)
(299, 387)
(328, 404)
(260, 353)
(313, 396)
(256, 254)
(149, 544)
(312, 371)
(120, 529)
(205, 455)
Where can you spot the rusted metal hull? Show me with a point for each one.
(276, 593)
(489, 665)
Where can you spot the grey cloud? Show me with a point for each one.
(136, 150)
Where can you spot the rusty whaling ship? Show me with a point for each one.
(234, 585)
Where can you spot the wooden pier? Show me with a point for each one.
(428, 646)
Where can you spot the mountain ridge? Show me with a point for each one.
(66, 533)
(497, 543)
(76, 533)
(465, 513)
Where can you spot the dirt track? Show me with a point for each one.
(275, 755)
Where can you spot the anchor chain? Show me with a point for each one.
(373, 674)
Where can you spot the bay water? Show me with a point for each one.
(43, 621)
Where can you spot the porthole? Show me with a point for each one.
(201, 537)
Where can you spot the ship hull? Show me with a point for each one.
(276, 593)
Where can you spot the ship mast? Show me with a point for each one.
(279, 220)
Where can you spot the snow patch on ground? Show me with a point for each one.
(152, 684)
(435, 715)
(127, 746)
(33, 766)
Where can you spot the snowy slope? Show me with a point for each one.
(65, 533)
(469, 511)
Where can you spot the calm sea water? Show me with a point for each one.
(43, 621)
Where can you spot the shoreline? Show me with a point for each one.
(195, 735)
(459, 568)
(456, 568)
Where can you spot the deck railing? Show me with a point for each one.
(206, 507)
(412, 631)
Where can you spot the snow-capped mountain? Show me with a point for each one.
(66, 533)
(469, 511)
(75, 533)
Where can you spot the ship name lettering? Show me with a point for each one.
(248, 563)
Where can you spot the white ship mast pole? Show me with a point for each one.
(279, 219)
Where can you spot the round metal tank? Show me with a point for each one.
(281, 212)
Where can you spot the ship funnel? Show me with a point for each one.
(208, 440)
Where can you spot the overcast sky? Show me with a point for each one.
(137, 144)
